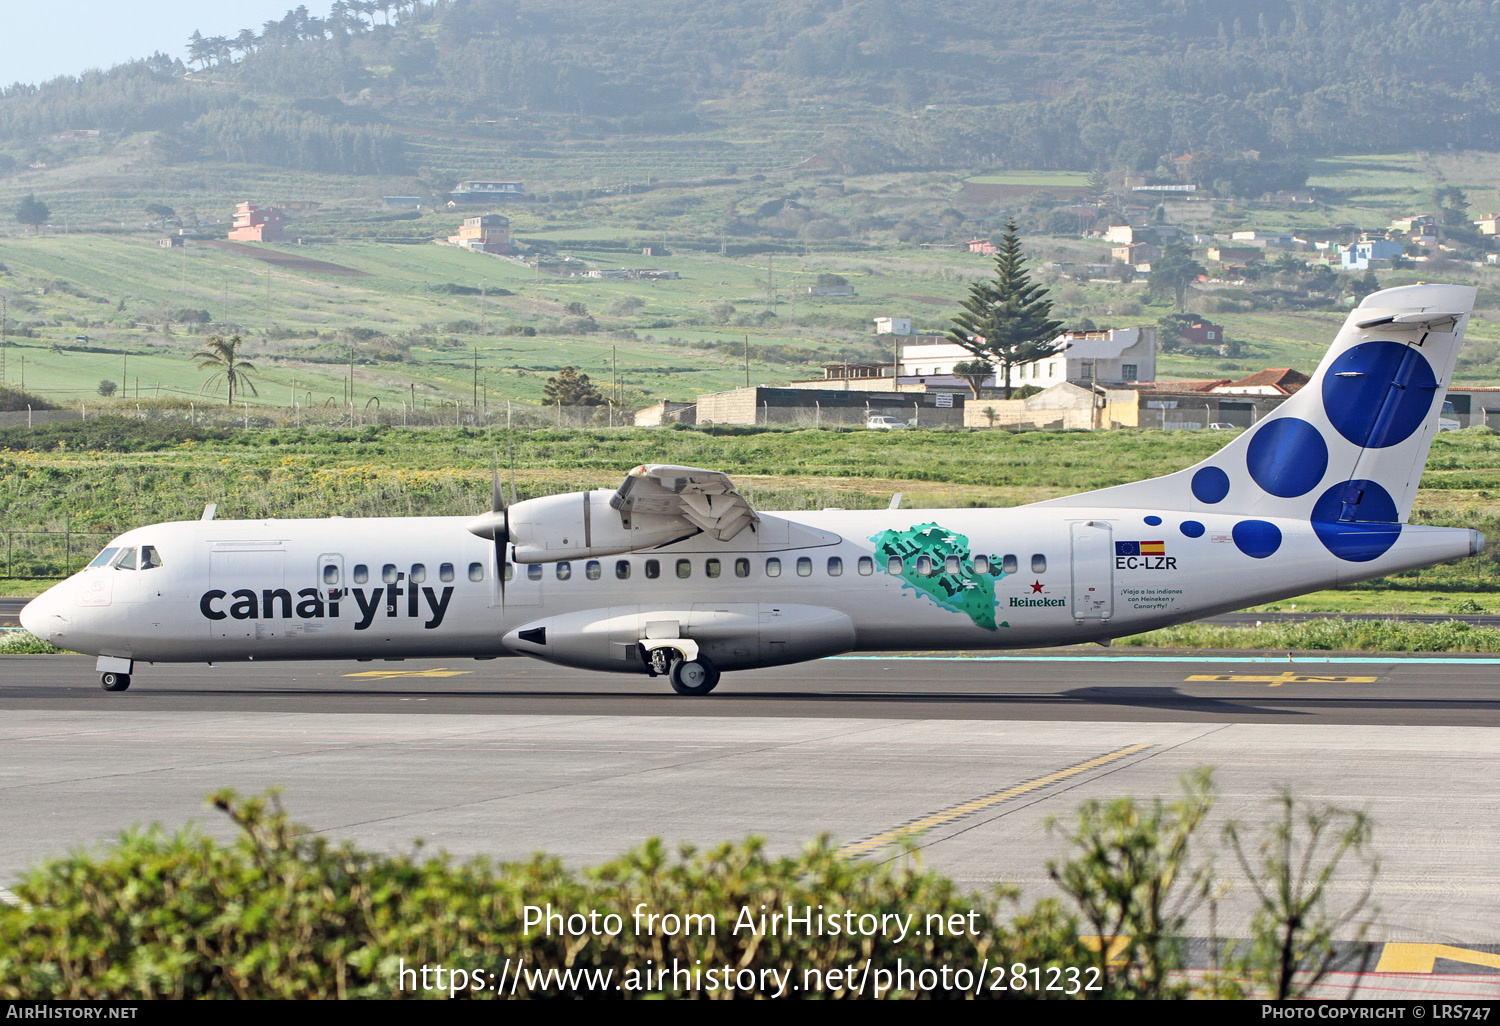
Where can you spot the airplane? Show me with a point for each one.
(674, 574)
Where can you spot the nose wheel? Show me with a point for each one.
(114, 681)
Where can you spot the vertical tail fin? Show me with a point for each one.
(1349, 447)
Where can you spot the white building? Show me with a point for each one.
(893, 325)
(1114, 357)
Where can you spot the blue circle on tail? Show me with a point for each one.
(1376, 394)
(1256, 538)
(1356, 520)
(1192, 529)
(1210, 485)
(1287, 457)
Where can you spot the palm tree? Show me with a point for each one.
(218, 356)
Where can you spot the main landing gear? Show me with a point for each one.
(695, 676)
(114, 681)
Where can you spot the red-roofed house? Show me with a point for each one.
(1271, 381)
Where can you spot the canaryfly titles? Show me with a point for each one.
(272, 603)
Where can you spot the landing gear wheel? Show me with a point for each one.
(114, 681)
(693, 677)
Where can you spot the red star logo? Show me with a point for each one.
(1036, 587)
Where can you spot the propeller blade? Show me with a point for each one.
(510, 442)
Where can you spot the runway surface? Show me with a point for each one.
(513, 756)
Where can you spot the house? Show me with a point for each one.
(1116, 356)
(1129, 234)
(1235, 254)
(1271, 381)
(484, 233)
(1203, 333)
(984, 247)
(170, 241)
(254, 223)
(486, 192)
(829, 407)
(1136, 253)
(830, 290)
(1265, 238)
(893, 325)
(1063, 406)
(1369, 253)
(1488, 225)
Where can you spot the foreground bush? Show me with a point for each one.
(281, 913)
(1328, 636)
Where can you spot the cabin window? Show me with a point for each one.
(104, 557)
(1010, 564)
(981, 564)
(773, 567)
(742, 568)
(418, 573)
(592, 570)
(330, 573)
(684, 568)
(804, 566)
(653, 569)
(564, 570)
(150, 559)
(835, 566)
(953, 565)
(445, 572)
(924, 566)
(476, 571)
(1038, 564)
(893, 565)
(622, 569)
(362, 573)
(388, 573)
(507, 575)
(866, 566)
(126, 559)
(711, 568)
(534, 572)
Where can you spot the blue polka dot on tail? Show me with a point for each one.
(1376, 394)
(1256, 538)
(1210, 485)
(1356, 520)
(1153, 521)
(1192, 529)
(1287, 457)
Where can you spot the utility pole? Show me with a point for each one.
(476, 377)
(484, 309)
(614, 361)
(747, 360)
(2, 340)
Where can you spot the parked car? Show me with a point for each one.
(881, 423)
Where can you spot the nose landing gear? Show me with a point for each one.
(114, 681)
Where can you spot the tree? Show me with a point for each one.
(221, 357)
(974, 372)
(32, 211)
(107, 388)
(161, 212)
(1173, 272)
(570, 388)
(1292, 932)
(1007, 321)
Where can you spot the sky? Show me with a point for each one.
(65, 37)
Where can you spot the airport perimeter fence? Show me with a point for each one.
(249, 416)
(50, 554)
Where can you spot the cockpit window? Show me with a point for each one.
(104, 557)
(125, 560)
(150, 558)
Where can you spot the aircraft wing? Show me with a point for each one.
(704, 498)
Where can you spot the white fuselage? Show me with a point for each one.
(393, 588)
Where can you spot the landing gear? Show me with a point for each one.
(114, 681)
(693, 676)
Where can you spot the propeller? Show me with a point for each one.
(493, 525)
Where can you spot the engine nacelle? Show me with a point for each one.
(580, 525)
(737, 636)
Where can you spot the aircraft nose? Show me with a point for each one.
(43, 618)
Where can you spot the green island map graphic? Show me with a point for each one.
(967, 592)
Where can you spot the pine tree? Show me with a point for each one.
(570, 388)
(1007, 321)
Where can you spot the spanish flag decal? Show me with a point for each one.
(1153, 548)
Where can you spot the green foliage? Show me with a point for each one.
(1007, 320)
(1332, 635)
(1173, 272)
(32, 211)
(1134, 879)
(570, 388)
(220, 357)
(19, 642)
(283, 913)
(1291, 867)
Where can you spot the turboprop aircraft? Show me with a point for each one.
(674, 574)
